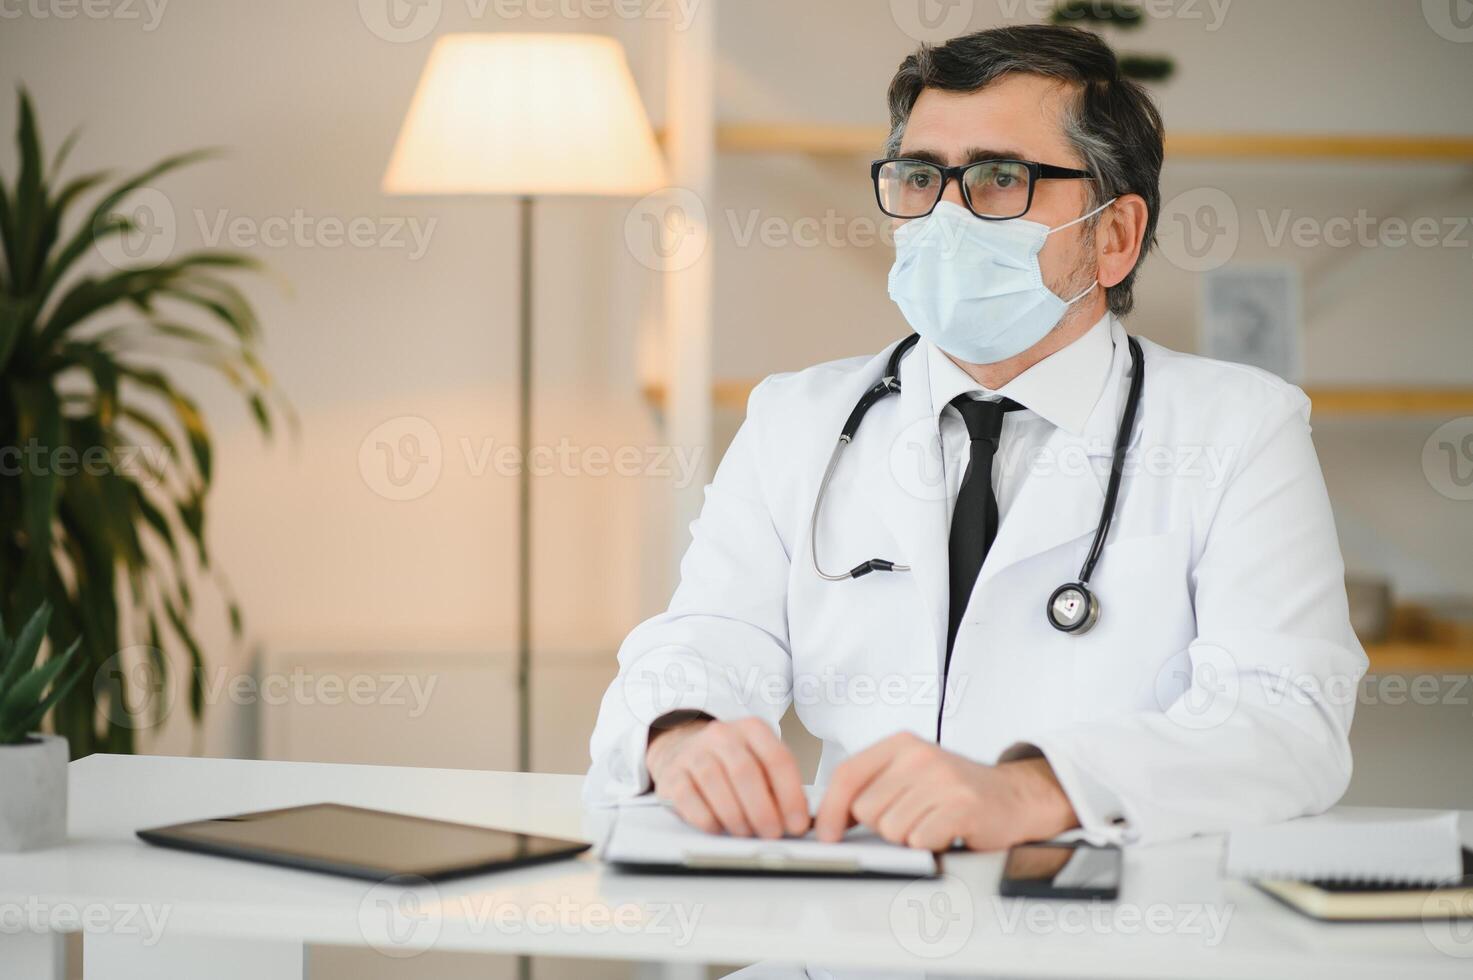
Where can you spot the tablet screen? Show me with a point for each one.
(365, 843)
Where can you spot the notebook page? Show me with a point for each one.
(646, 834)
(1371, 844)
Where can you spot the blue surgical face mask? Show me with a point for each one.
(974, 287)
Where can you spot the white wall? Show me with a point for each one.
(308, 100)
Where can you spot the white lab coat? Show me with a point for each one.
(1216, 690)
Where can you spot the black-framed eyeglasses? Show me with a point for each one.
(995, 190)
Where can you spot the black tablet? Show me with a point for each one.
(372, 844)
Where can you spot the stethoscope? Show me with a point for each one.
(1072, 608)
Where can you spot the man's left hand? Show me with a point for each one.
(913, 792)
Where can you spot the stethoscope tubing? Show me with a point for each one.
(890, 384)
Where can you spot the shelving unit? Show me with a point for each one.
(850, 140)
(1411, 657)
(1327, 401)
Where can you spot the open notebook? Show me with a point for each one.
(1360, 863)
(647, 836)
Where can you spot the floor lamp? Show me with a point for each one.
(526, 116)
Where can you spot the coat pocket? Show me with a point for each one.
(1146, 620)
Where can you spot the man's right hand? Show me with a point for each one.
(733, 776)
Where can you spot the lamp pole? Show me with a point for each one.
(524, 495)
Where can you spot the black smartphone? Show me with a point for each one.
(1061, 871)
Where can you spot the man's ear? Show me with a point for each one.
(1118, 238)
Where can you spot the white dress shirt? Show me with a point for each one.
(1059, 391)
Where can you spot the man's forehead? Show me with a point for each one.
(1015, 116)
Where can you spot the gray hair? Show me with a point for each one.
(1113, 124)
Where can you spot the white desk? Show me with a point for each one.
(147, 912)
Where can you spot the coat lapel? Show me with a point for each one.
(899, 452)
(1061, 496)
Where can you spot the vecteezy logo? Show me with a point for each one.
(400, 916)
(400, 21)
(916, 463)
(1447, 918)
(1199, 230)
(1201, 693)
(932, 20)
(666, 679)
(147, 233)
(132, 689)
(933, 918)
(1452, 20)
(1447, 459)
(401, 459)
(667, 230)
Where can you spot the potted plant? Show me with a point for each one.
(1124, 16)
(89, 336)
(33, 774)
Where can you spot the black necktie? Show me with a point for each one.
(974, 521)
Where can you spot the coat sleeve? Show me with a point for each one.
(1260, 732)
(722, 646)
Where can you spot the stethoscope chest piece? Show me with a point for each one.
(1073, 609)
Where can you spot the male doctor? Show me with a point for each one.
(960, 693)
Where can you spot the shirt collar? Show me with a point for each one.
(1062, 388)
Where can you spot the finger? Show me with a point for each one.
(690, 806)
(936, 830)
(871, 803)
(710, 778)
(904, 812)
(783, 776)
(749, 783)
(849, 780)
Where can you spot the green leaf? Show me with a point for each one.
(27, 645)
(144, 285)
(155, 519)
(160, 666)
(231, 309)
(102, 221)
(59, 161)
(237, 621)
(185, 411)
(17, 703)
(15, 316)
(1112, 13)
(30, 199)
(196, 659)
(39, 422)
(7, 236)
(59, 690)
(56, 211)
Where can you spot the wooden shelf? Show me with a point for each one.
(1390, 401)
(842, 140)
(1327, 401)
(1419, 658)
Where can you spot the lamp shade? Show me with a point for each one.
(526, 114)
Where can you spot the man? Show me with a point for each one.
(958, 695)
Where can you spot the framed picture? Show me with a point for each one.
(1254, 315)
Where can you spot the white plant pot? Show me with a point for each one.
(33, 777)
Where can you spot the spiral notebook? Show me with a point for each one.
(1360, 864)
